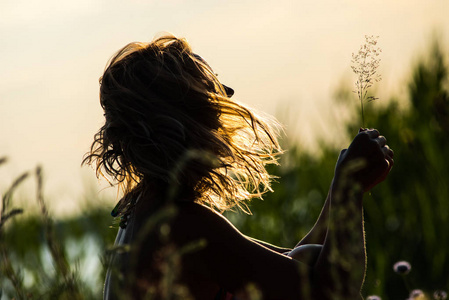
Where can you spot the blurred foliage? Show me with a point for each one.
(46, 259)
(84, 237)
(406, 217)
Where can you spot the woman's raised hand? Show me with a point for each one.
(367, 161)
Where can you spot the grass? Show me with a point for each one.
(364, 65)
(405, 218)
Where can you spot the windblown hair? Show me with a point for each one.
(170, 123)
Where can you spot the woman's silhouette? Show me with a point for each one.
(182, 152)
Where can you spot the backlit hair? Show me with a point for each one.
(169, 122)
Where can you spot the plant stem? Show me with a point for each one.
(361, 97)
(363, 113)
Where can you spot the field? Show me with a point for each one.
(406, 217)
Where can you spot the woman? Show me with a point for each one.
(182, 152)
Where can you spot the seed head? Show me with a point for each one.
(439, 295)
(364, 64)
(417, 294)
(402, 267)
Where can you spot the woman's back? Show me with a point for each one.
(188, 248)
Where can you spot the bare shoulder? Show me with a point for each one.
(193, 220)
(230, 258)
(185, 223)
(214, 253)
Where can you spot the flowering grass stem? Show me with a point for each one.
(364, 65)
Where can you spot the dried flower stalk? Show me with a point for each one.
(364, 65)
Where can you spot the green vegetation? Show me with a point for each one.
(46, 259)
(406, 217)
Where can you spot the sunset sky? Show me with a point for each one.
(279, 56)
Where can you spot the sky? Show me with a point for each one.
(284, 58)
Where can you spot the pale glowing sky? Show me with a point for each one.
(275, 54)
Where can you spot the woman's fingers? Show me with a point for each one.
(381, 140)
(390, 162)
(372, 147)
(372, 133)
(387, 151)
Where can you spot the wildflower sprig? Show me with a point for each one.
(364, 64)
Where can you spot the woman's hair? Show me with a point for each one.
(169, 123)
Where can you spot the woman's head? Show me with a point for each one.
(169, 122)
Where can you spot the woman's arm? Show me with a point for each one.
(309, 248)
(340, 265)
(366, 163)
(317, 234)
(339, 228)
